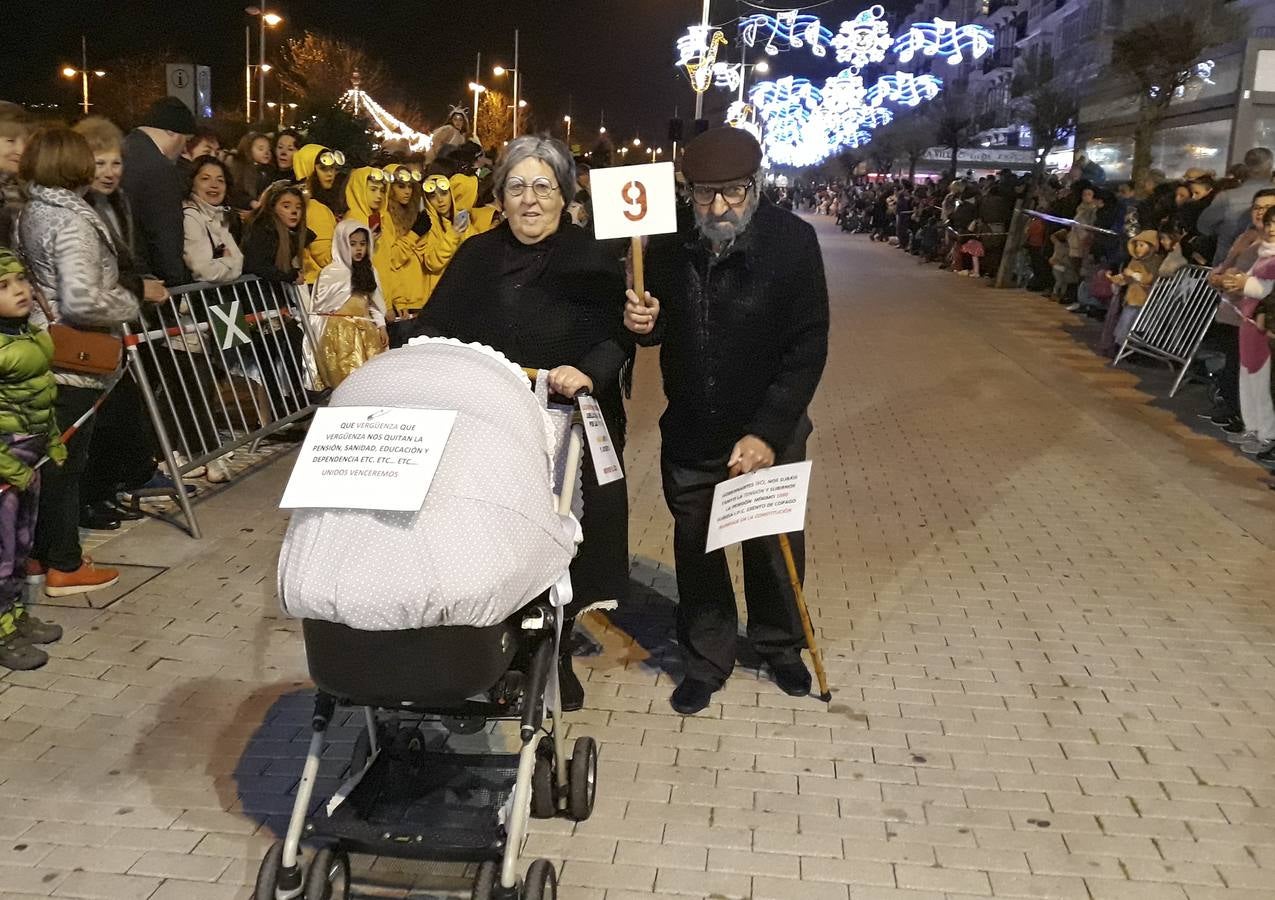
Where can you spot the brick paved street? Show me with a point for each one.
(1046, 605)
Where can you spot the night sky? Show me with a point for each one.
(615, 55)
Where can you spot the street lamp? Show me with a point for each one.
(567, 120)
(498, 71)
(281, 107)
(637, 142)
(656, 151)
(477, 89)
(83, 72)
(270, 19)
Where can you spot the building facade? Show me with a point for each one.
(1214, 121)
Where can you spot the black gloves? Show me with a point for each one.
(422, 224)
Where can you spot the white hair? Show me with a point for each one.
(549, 151)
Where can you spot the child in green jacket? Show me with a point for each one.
(28, 432)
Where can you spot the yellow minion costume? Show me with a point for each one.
(319, 218)
(464, 196)
(439, 245)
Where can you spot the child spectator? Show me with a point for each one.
(1058, 263)
(28, 431)
(348, 305)
(1136, 278)
(276, 239)
(971, 252)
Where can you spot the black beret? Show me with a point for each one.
(721, 154)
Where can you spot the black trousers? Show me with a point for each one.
(124, 451)
(1224, 338)
(707, 618)
(57, 531)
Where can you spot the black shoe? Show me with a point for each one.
(691, 696)
(96, 518)
(570, 690)
(1219, 419)
(792, 677)
(1267, 456)
(1235, 426)
(124, 513)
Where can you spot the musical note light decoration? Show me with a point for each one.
(801, 124)
(786, 31)
(944, 39)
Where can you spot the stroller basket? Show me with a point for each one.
(434, 806)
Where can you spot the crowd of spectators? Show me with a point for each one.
(1098, 249)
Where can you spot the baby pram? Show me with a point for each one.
(403, 796)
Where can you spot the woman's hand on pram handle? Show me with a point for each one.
(569, 381)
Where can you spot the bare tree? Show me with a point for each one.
(494, 120)
(953, 120)
(883, 149)
(318, 70)
(1160, 58)
(914, 133)
(1050, 108)
(131, 85)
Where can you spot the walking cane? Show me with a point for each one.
(824, 694)
(69, 433)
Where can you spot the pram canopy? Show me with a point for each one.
(488, 538)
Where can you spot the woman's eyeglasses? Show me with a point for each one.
(541, 187)
(733, 194)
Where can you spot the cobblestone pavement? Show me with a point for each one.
(1045, 603)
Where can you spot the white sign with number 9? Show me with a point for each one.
(631, 201)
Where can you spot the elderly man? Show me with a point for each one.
(742, 317)
(156, 189)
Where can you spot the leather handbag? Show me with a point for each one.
(80, 350)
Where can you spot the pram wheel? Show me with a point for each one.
(485, 882)
(542, 882)
(328, 877)
(582, 780)
(544, 781)
(268, 874)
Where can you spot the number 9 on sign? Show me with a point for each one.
(634, 196)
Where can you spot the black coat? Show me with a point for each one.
(156, 190)
(558, 302)
(744, 336)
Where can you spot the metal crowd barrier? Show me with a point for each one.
(220, 366)
(1172, 323)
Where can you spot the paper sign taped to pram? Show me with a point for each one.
(761, 503)
(368, 457)
(606, 461)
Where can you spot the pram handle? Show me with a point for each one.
(533, 374)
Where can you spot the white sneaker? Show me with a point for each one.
(197, 472)
(1073, 307)
(1256, 446)
(1242, 438)
(218, 472)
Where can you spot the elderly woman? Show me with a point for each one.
(542, 291)
(73, 261)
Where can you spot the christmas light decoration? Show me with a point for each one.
(787, 30)
(864, 39)
(387, 127)
(697, 53)
(801, 124)
(945, 39)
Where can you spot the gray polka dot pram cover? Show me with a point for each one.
(488, 538)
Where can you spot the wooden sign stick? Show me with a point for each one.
(639, 275)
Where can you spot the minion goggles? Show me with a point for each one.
(331, 159)
(436, 183)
